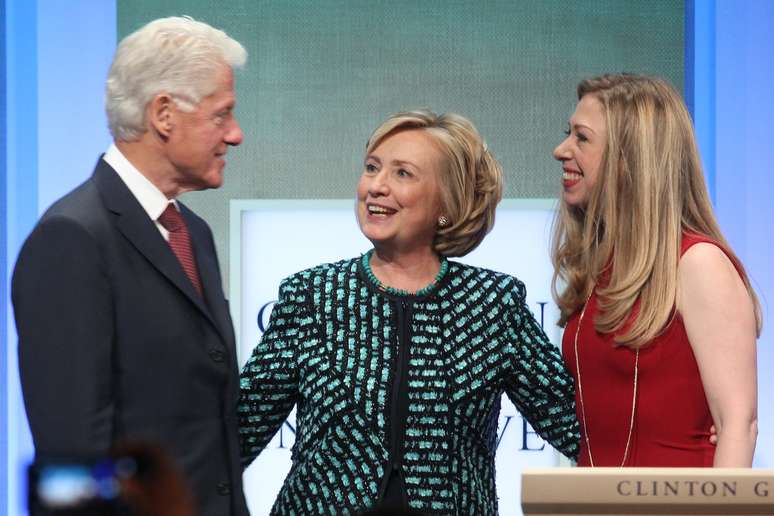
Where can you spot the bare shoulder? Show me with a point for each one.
(705, 255)
(706, 263)
(705, 270)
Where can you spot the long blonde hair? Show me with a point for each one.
(650, 192)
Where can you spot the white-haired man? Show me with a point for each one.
(124, 331)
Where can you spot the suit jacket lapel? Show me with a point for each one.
(141, 231)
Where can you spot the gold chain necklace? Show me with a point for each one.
(580, 391)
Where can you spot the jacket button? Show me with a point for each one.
(224, 488)
(216, 355)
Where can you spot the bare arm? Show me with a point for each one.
(720, 323)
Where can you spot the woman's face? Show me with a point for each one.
(581, 152)
(398, 196)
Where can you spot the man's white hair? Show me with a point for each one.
(177, 55)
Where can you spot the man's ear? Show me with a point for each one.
(161, 114)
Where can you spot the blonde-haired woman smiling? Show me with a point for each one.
(660, 318)
(397, 359)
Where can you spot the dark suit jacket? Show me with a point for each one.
(114, 341)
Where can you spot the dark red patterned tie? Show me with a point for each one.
(180, 242)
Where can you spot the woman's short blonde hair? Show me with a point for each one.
(471, 178)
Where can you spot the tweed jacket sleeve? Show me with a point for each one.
(540, 386)
(269, 379)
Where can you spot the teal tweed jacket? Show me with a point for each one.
(350, 354)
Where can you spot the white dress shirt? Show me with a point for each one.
(150, 198)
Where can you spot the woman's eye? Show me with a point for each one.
(582, 137)
(402, 172)
(370, 167)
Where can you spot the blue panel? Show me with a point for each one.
(67, 157)
(688, 49)
(744, 110)
(700, 96)
(22, 211)
(3, 280)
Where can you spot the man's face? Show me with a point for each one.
(199, 139)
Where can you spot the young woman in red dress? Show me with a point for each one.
(660, 319)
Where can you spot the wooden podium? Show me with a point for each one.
(647, 491)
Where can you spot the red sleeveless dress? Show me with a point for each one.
(671, 420)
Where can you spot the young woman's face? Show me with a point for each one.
(581, 152)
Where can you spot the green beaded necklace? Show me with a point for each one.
(366, 262)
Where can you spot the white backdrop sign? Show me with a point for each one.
(273, 239)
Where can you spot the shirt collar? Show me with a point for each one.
(152, 200)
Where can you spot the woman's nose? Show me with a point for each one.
(561, 152)
(379, 184)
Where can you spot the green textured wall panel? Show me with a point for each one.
(322, 75)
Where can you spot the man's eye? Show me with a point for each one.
(221, 117)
